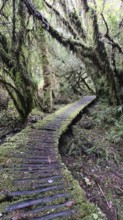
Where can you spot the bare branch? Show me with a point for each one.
(103, 5)
(107, 29)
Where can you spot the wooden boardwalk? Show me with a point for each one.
(35, 184)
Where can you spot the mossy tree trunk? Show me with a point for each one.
(111, 90)
(47, 73)
(16, 76)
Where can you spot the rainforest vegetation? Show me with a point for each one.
(48, 47)
(53, 52)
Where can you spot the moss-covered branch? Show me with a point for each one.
(75, 45)
(109, 38)
(63, 20)
(101, 51)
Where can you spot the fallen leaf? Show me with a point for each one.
(50, 181)
(49, 160)
(87, 181)
(8, 161)
(70, 203)
(95, 216)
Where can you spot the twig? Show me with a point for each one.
(108, 204)
(116, 216)
(116, 187)
(107, 28)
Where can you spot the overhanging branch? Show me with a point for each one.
(72, 44)
(108, 37)
(64, 21)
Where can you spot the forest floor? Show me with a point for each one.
(91, 149)
(10, 123)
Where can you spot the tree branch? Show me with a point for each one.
(76, 46)
(55, 34)
(4, 82)
(13, 23)
(107, 29)
(107, 36)
(64, 21)
(3, 5)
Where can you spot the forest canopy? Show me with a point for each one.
(77, 43)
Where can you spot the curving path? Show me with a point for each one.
(35, 184)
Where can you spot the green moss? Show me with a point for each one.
(8, 152)
(3, 206)
(50, 118)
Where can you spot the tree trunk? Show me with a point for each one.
(47, 75)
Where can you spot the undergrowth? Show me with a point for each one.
(93, 152)
(111, 118)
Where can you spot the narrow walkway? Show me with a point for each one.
(35, 184)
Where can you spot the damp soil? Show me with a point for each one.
(95, 158)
